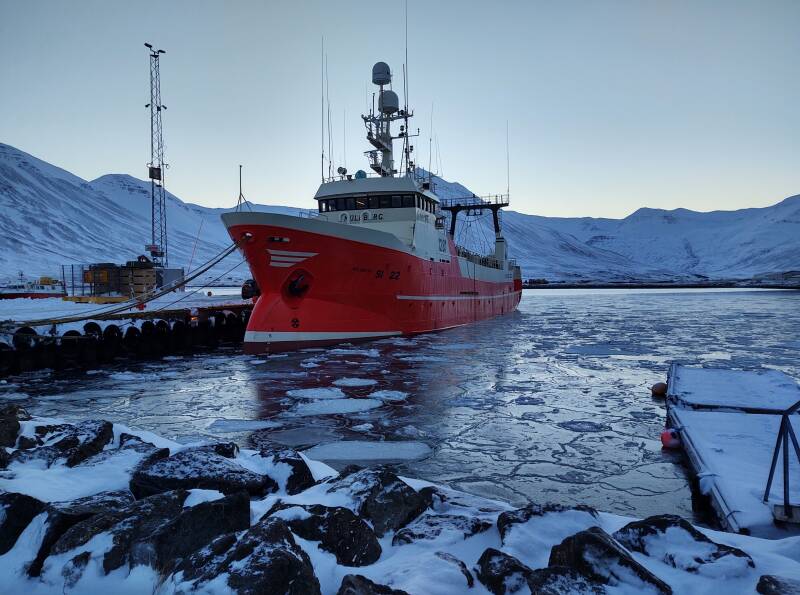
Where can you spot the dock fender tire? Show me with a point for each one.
(24, 338)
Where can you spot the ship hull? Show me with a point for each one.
(324, 283)
(29, 295)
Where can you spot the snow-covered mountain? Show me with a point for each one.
(50, 217)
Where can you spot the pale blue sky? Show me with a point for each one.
(612, 105)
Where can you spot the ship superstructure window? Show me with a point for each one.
(378, 201)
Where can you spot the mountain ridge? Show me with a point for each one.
(51, 217)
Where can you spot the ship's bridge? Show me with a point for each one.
(380, 192)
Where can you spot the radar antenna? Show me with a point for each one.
(378, 124)
(158, 197)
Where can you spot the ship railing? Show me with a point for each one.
(502, 200)
(486, 261)
(372, 174)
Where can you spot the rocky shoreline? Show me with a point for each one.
(97, 507)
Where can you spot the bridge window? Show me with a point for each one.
(375, 201)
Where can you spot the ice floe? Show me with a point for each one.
(332, 407)
(324, 392)
(365, 450)
(355, 382)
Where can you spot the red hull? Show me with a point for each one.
(353, 291)
(33, 296)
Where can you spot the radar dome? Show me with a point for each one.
(361, 174)
(388, 102)
(381, 75)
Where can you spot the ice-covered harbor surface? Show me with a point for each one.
(550, 403)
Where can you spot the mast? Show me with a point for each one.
(156, 166)
(379, 133)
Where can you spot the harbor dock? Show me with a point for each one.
(731, 425)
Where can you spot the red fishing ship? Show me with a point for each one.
(44, 287)
(378, 256)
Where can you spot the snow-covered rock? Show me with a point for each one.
(198, 468)
(381, 497)
(501, 573)
(676, 542)
(597, 556)
(264, 560)
(79, 529)
(336, 528)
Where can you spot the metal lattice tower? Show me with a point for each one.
(158, 196)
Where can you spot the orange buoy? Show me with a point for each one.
(670, 438)
(659, 389)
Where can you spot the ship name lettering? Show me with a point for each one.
(358, 218)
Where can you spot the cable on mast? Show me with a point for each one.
(322, 108)
(328, 102)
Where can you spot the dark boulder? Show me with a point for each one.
(356, 584)
(648, 537)
(382, 498)
(338, 530)
(777, 585)
(507, 520)
(460, 565)
(5, 458)
(300, 477)
(129, 527)
(558, 580)
(10, 416)
(198, 468)
(265, 560)
(501, 573)
(596, 555)
(196, 526)
(63, 515)
(16, 513)
(72, 443)
(27, 442)
(431, 526)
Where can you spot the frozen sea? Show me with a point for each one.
(550, 403)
